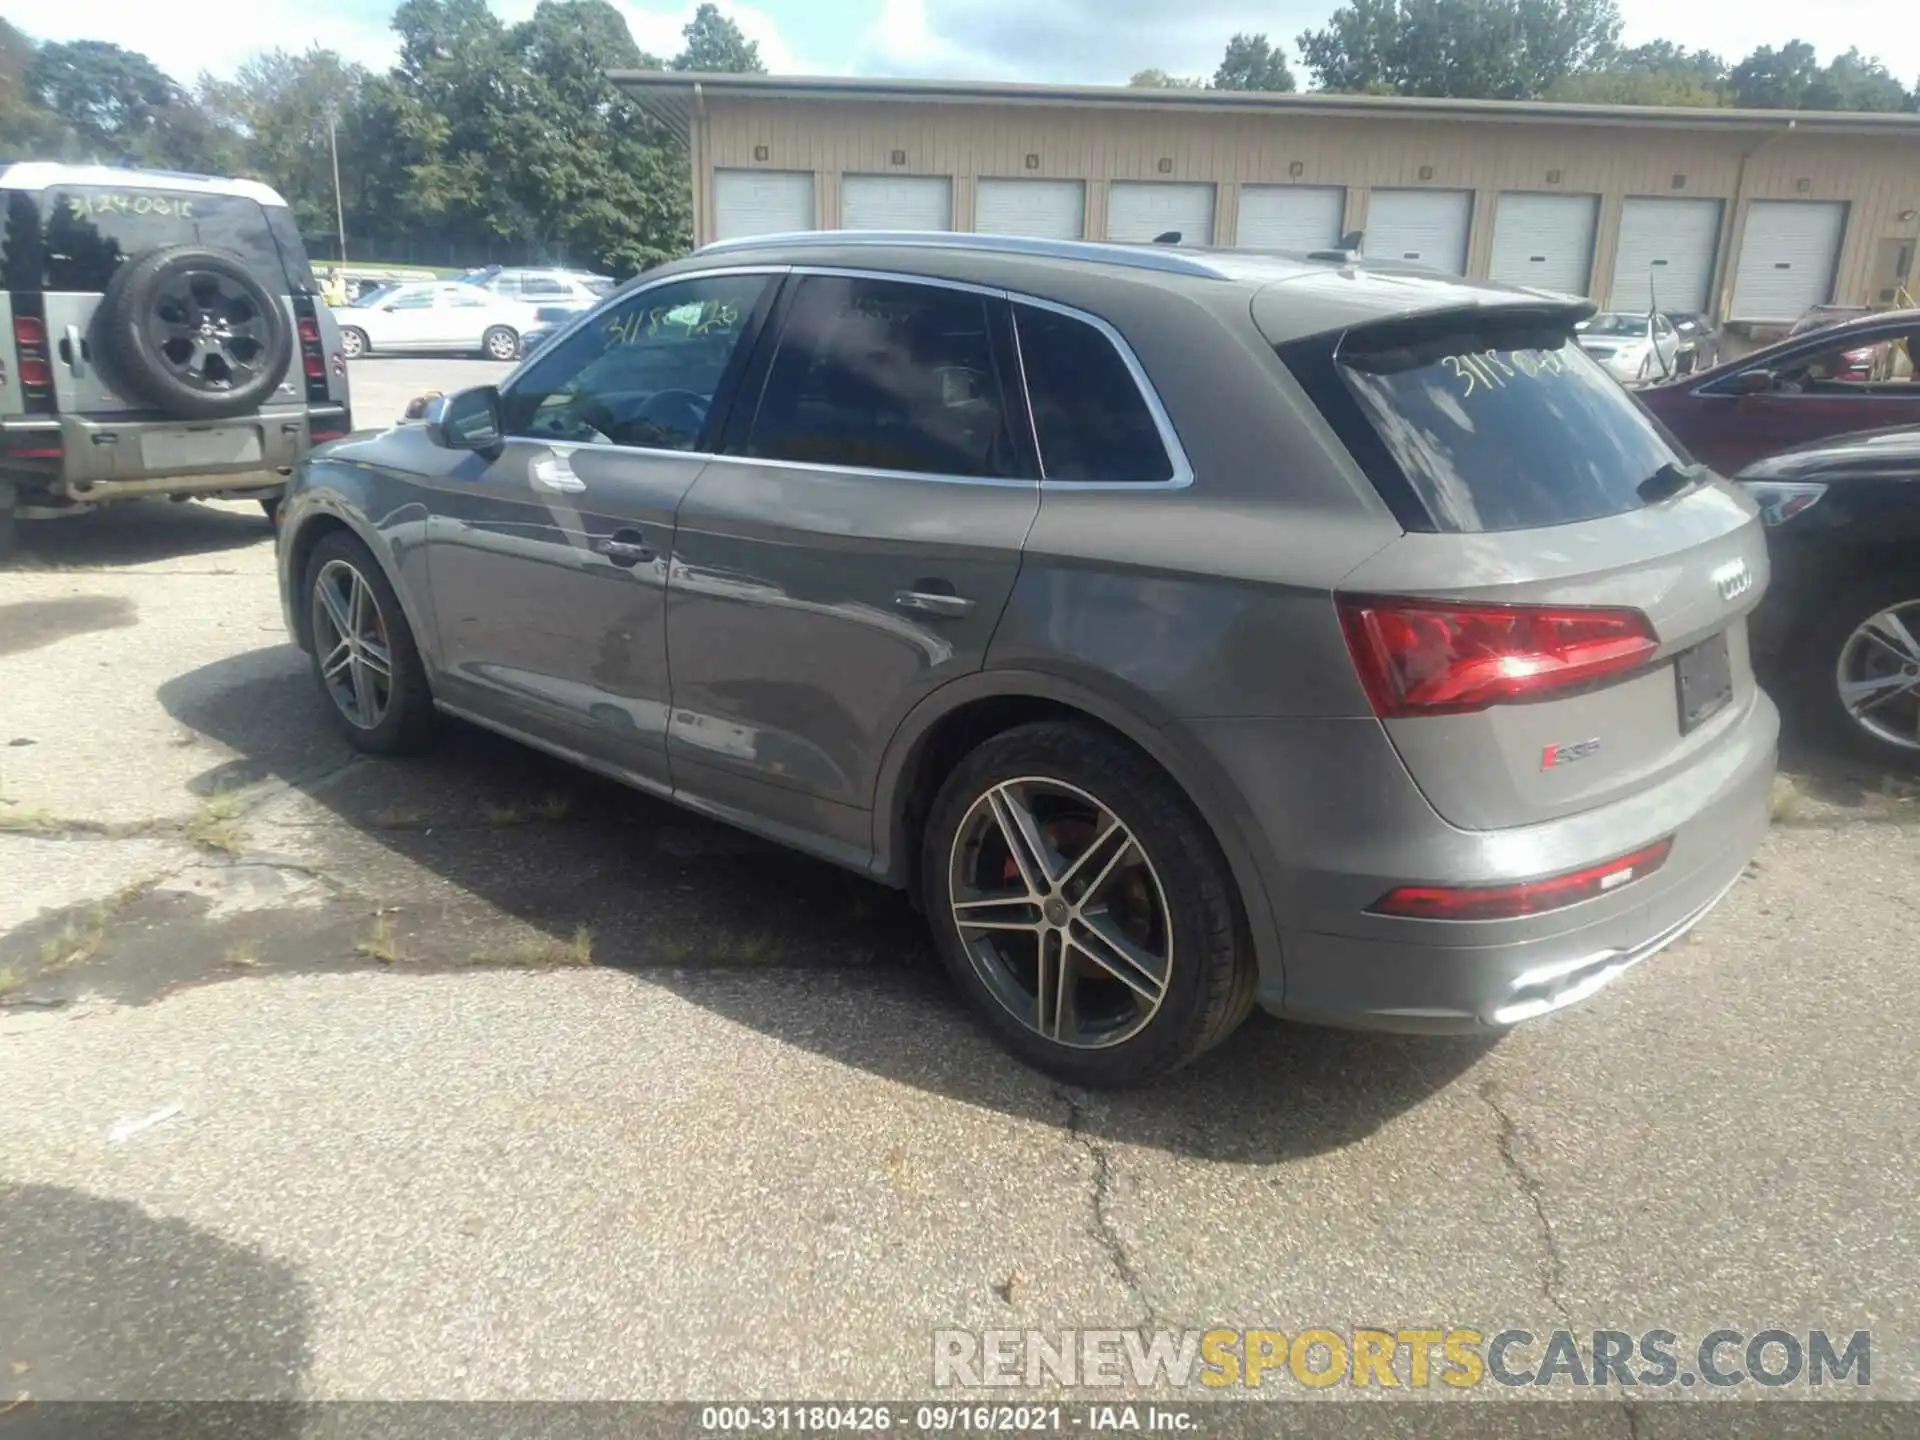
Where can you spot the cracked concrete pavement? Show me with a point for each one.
(497, 1081)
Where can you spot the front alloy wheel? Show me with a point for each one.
(350, 643)
(1061, 912)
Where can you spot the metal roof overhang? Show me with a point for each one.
(674, 98)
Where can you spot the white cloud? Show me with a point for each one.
(1733, 29)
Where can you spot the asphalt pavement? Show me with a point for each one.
(473, 1076)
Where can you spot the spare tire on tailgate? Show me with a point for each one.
(194, 332)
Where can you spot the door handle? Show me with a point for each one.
(76, 356)
(624, 548)
(929, 602)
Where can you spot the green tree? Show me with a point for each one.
(281, 104)
(717, 46)
(26, 127)
(1251, 63)
(120, 105)
(1771, 79)
(1659, 73)
(1486, 49)
(1161, 80)
(1857, 82)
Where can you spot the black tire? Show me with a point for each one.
(271, 506)
(407, 719)
(353, 342)
(1817, 664)
(501, 343)
(1209, 986)
(9, 521)
(143, 301)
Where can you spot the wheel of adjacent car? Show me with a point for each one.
(194, 332)
(500, 343)
(1860, 666)
(1083, 907)
(364, 657)
(353, 342)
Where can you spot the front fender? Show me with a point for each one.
(339, 489)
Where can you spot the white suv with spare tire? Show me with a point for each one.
(162, 334)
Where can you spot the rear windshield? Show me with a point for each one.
(91, 230)
(1488, 429)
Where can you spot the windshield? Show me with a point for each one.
(1632, 326)
(1503, 429)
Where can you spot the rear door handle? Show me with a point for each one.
(76, 355)
(928, 602)
(624, 548)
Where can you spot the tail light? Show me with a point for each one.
(33, 363)
(27, 330)
(35, 371)
(313, 356)
(309, 330)
(1429, 657)
(1531, 897)
(316, 367)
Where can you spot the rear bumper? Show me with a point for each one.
(1341, 965)
(85, 460)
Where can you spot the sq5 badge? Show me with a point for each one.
(1556, 755)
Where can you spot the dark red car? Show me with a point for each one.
(1857, 375)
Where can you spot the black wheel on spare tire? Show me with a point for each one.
(1083, 907)
(1859, 664)
(365, 659)
(194, 332)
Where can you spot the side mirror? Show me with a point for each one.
(466, 420)
(1753, 382)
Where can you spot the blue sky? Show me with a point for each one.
(1088, 41)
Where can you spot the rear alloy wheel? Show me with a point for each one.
(353, 343)
(364, 656)
(1083, 907)
(500, 343)
(1864, 654)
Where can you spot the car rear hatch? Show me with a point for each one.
(1563, 623)
(64, 245)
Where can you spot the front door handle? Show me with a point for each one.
(624, 548)
(930, 602)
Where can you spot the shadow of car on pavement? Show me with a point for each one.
(136, 532)
(106, 1304)
(792, 947)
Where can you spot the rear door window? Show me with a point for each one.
(1486, 428)
(887, 375)
(1089, 415)
(92, 230)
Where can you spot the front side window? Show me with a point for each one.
(93, 229)
(641, 373)
(410, 300)
(1091, 420)
(540, 287)
(886, 375)
(468, 298)
(1876, 358)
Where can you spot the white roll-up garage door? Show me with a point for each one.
(1666, 252)
(896, 202)
(1051, 209)
(1545, 241)
(1787, 255)
(1290, 217)
(1421, 227)
(761, 202)
(1138, 210)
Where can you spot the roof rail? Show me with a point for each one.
(1140, 257)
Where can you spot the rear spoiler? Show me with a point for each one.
(1400, 340)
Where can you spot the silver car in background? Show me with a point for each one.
(1634, 349)
(1186, 631)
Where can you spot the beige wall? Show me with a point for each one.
(1878, 176)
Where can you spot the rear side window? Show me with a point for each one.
(22, 255)
(1489, 428)
(1091, 420)
(92, 230)
(886, 375)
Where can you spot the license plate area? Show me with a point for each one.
(217, 448)
(1703, 676)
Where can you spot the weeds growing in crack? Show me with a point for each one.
(381, 944)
